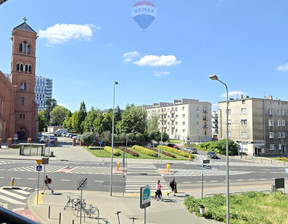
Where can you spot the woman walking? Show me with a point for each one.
(158, 191)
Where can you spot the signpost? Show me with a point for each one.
(279, 183)
(205, 161)
(38, 168)
(81, 185)
(45, 161)
(145, 199)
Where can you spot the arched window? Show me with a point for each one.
(26, 68)
(29, 68)
(28, 49)
(20, 67)
(24, 47)
(21, 47)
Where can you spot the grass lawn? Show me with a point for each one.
(245, 208)
(175, 141)
(100, 152)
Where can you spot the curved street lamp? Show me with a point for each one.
(214, 77)
(112, 141)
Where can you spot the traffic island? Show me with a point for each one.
(165, 172)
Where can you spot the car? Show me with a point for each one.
(173, 146)
(192, 150)
(43, 138)
(212, 155)
(68, 135)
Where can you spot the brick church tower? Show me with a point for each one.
(23, 63)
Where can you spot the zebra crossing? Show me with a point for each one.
(14, 199)
(48, 169)
(89, 170)
(6, 162)
(190, 172)
(241, 164)
(139, 175)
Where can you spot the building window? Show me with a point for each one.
(20, 116)
(271, 123)
(271, 134)
(280, 146)
(244, 134)
(183, 115)
(279, 134)
(283, 122)
(22, 100)
(183, 123)
(176, 108)
(279, 122)
(243, 110)
(176, 123)
(283, 112)
(183, 108)
(244, 122)
(23, 116)
(283, 134)
(23, 86)
(176, 116)
(279, 112)
(270, 111)
(271, 146)
(197, 108)
(19, 67)
(183, 130)
(24, 48)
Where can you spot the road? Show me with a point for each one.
(139, 173)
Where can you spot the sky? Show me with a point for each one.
(85, 46)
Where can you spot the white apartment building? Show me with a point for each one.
(186, 119)
(43, 91)
(214, 125)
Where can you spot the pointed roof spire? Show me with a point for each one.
(24, 26)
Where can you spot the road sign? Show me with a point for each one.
(39, 161)
(100, 142)
(279, 183)
(188, 143)
(145, 199)
(38, 168)
(239, 147)
(45, 160)
(82, 184)
(207, 167)
(206, 161)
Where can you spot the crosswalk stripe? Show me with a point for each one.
(23, 192)
(2, 197)
(7, 192)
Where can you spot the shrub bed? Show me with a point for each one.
(144, 150)
(131, 152)
(109, 149)
(163, 152)
(175, 151)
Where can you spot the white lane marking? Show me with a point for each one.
(7, 192)
(98, 181)
(11, 200)
(213, 181)
(240, 180)
(23, 192)
(187, 182)
(1, 177)
(263, 179)
(32, 178)
(251, 179)
(66, 180)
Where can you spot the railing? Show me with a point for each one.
(9, 217)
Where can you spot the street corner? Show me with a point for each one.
(165, 172)
(27, 214)
(38, 198)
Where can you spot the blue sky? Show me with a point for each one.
(84, 46)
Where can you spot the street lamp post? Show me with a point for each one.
(112, 141)
(214, 77)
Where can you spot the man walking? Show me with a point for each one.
(47, 182)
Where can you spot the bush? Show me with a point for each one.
(143, 150)
(131, 152)
(87, 138)
(176, 151)
(163, 152)
(115, 151)
(220, 147)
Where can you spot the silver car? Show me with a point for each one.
(192, 150)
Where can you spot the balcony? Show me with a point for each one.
(205, 111)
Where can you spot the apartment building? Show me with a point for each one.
(258, 125)
(43, 91)
(214, 125)
(186, 119)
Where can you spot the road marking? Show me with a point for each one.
(11, 200)
(98, 181)
(23, 192)
(40, 198)
(66, 180)
(213, 181)
(263, 179)
(1, 177)
(201, 181)
(240, 180)
(187, 182)
(7, 192)
(251, 179)
(32, 178)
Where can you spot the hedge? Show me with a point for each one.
(163, 152)
(109, 149)
(175, 151)
(143, 150)
(131, 152)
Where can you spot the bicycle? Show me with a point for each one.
(72, 201)
(78, 206)
(91, 210)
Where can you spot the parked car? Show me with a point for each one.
(192, 150)
(212, 155)
(60, 131)
(43, 138)
(173, 146)
(68, 135)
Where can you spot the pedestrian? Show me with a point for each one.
(47, 182)
(158, 193)
(173, 186)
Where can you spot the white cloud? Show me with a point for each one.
(130, 56)
(157, 74)
(235, 94)
(61, 33)
(283, 68)
(110, 45)
(153, 60)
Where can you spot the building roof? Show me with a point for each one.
(25, 27)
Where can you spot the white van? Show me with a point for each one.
(60, 131)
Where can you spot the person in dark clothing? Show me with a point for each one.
(47, 182)
(173, 186)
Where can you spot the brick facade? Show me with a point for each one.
(18, 109)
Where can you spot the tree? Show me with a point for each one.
(89, 120)
(82, 113)
(74, 121)
(87, 138)
(58, 115)
(103, 122)
(42, 120)
(68, 121)
(165, 137)
(49, 104)
(133, 120)
(152, 124)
